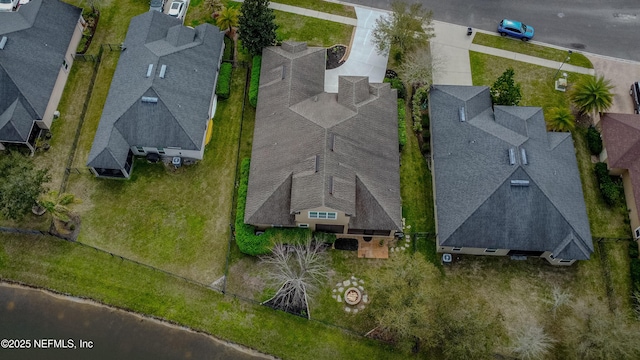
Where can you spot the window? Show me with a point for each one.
(456, 249)
(140, 149)
(323, 215)
(161, 151)
(65, 65)
(637, 233)
(304, 226)
(490, 250)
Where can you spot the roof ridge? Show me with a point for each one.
(21, 93)
(386, 212)
(259, 207)
(634, 144)
(546, 195)
(173, 115)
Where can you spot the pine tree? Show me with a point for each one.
(505, 91)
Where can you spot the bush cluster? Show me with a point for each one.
(402, 128)
(420, 98)
(594, 141)
(397, 84)
(610, 190)
(634, 268)
(255, 80)
(246, 238)
(223, 90)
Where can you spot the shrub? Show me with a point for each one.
(634, 265)
(250, 243)
(224, 81)
(255, 80)
(397, 84)
(610, 190)
(594, 141)
(633, 250)
(419, 102)
(402, 127)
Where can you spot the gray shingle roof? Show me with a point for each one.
(179, 118)
(352, 136)
(38, 36)
(477, 206)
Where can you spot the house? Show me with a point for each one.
(162, 96)
(324, 161)
(503, 184)
(621, 140)
(37, 45)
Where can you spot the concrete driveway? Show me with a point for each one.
(363, 58)
(621, 74)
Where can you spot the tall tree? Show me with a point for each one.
(592, 94)
(228, 20)
(408, 27)
(20, 185)
(257, 28)
(505, 91)
(561, 119)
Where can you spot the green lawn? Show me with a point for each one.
(526, 48)
(80, 271)
(322, 6)
(315, 32)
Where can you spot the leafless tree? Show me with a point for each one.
(418, 67)
(559, 298)
(298, 270)
(531, 342)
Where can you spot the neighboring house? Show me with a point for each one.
(328, 162)
(621, 140)
(37, 45)
(162, 96)
(503, 185)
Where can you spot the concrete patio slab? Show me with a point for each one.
(363, 59)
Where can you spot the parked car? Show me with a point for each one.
(515, 29)
(156, 5)
(177, 9)
(8, 5)
(635, 95)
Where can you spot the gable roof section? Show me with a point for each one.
(38, 36)
(621, 137)
(339, 150)
(179, 116)
(477, 205)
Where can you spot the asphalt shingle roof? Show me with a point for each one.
(314, 149)
(477, 205)
(179, 117)
(38, 36)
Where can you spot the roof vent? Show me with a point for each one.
(332, 141)
(523, 156)
(331, 185)
(149, 70)
(163, 70)
(512, 156)
(149, 99)
(317, 163)
(461, 113)
(521, 183)
(3, 42)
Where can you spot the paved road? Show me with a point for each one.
(608, 28)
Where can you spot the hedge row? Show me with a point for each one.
(223, 90)
(255, 80)
(246, 238)
(402, 128)
(397, 84)
(634, 269)
(594, 141)
(610, 191)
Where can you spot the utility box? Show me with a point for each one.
(176, 161)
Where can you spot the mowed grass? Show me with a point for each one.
(176, 220)
(322, 6)
(316, 32)
(522, 47)
(80, 271)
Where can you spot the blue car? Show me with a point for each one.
(515, 29)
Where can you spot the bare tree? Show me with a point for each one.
(418, 67)
(531, 342)
(559, 298)
(298, 270)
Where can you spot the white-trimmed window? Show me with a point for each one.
(65, 65)
(566, 261)
(636, 232)
(304, 226)
(328, 215)
(140, 149)
(490, 250)
(456, 249)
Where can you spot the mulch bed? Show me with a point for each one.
(335, 55)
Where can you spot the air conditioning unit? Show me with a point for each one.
(176, 161)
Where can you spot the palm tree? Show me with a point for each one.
(58, 205)
(561, 119)
(228, 20)
(592, 94)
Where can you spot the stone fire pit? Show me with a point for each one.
(352, 294)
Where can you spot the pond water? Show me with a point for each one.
(57, 327)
